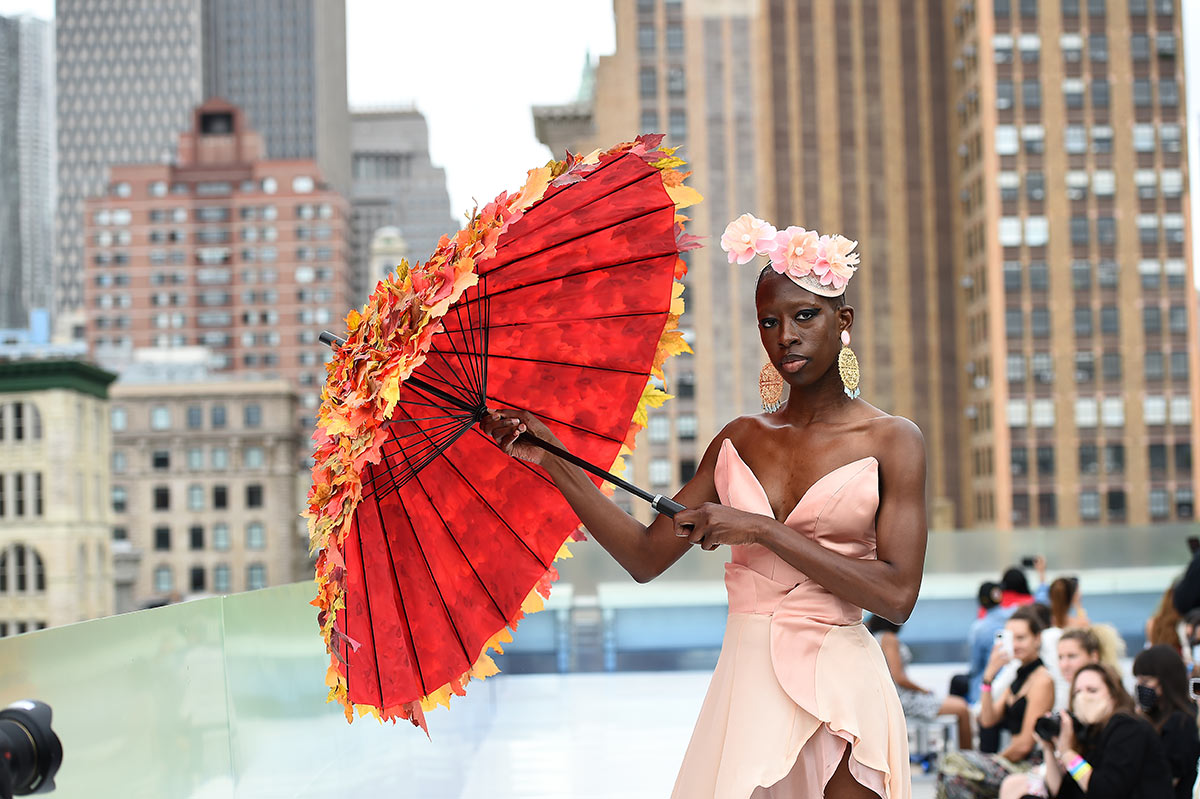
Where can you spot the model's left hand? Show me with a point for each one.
(713, 524)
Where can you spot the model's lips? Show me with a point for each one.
(793, 363)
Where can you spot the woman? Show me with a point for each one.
(918, 703)
(1077, 648)
(1114, 754)
(1017, 708)
(1066, 604)
(822, 504)
(1163, 700)
(1164, 627)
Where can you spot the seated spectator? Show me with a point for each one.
(982, 636)
(1163, 700)
(971, 774)
(1191, 635)
(1066, 604)
(1077, 647)
(1112, 754)
(918, 703)
(1014, 589)
(1165, 626)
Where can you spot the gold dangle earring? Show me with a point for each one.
(848, 367)
(770, 388)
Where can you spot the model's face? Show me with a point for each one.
(1026, 645)
(800, 331)
(1072, 657)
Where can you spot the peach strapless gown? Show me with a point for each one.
(799, 677)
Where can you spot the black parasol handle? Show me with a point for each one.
(664, 505)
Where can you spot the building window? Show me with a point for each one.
(1154, 366)
(1183, 458)
(197, 578)
(1168, 93)
(1112, 411)
(120, 498)
(1012, 277)
(1089, 505)
(1184, 503)
(1081, 275)
(1116, 505)
(220, 536)
(1098, 47)
(1143, 93)
(685, 427)
(1014, 322)
(217, 417)
(648, 82)
(160, 418)
(162, 539)
(1114, 458)
(163, 581)
(256, 537)
(1017, 413)
(1039, 322)
(1109, 320)
(195, 537)
(1045, 461)
(220, 498)
(1089, 459)
(195, 497)
(1152, 319)
(161, 498)
(1083, 321)
(219, 457)
(1020, 508)
(1100, 94)
(1079, 230)
(254, 495)
(1177, 319)
(119, 461)
(1020, 461)
(1085, 367)
(195, 458)
(1154, 409)
(1043, 413)
(1160, 503)
(1043, 368)
(1047, 509)
(1179, 366)
(1075, 139)
(1004, 95)
(253, 458)
(1031, 93)
(252, 415)
(660, 472)
(160, 460)
(118, 419)
(256, 577)
(1157, 455)
(221, 579)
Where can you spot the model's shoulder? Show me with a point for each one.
(742, 427)
(897, 434)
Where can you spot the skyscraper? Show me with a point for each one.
(1026, 290)
(395, 185)
(223, 249)
(26, 167)
(129, 73)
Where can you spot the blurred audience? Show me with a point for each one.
(918, 702)
(1163, 700)
(982, 636)
(1014, 588)
(1102, 748)
(1166, 625)
(1066, 604)
(972, 774)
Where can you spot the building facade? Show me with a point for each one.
(396, 185)
(55, 558)
(129, 73)
(204, 486)
(223, 249)
(26, 167)
(1026, 290)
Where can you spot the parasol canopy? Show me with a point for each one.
(562, 300)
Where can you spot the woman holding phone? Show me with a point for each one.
(1017, 708)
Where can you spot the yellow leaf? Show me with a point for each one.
(390, 393)
(353, 320)
(672, 162)
(683, 196)
(652, 397)
(535, 186)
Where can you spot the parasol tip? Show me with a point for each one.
(329, 338)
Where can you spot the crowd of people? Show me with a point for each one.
(1051, 706)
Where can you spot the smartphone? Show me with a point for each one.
(1005, 639)
(1194, 688)
(1193, 543)
(1028, 563)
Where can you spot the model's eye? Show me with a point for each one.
(766, 323)
(806, 314)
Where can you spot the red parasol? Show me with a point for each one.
(432, 543)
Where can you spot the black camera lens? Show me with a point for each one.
(1047, 727)
(30, 752)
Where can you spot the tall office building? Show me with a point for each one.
(395, 185)
(129, 73)
(26, 167)
(224, 249)
(972, 150)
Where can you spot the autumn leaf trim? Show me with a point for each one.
(386, 340)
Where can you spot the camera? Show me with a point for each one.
(1049, 727)
(1028, 562)
(1194, 688)
(30, 752)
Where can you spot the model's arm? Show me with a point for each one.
(643, 551)
(887, 585)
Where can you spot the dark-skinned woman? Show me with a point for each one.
(820, 501)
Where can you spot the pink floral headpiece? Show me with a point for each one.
(820, 264)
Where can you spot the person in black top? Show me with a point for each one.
(1110, 753)
(1162, 699)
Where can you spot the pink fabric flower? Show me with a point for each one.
(746, 237)
(835, 263)
(794, 252)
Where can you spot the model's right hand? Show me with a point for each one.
(506, 426)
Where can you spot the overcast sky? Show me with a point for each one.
(474, 68)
